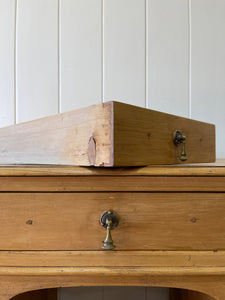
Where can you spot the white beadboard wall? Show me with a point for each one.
(112, 293)
(58, 55)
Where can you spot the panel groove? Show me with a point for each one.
(102, 51)
(146, 53)
(189, 57)
(59, 56)
(15, 61)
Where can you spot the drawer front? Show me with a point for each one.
(147, 221)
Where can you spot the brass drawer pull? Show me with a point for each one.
(109, 220)
(179, 138)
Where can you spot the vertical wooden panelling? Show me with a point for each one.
(111, 293)
(121, 293)
(80, 293)
(167, 56)
(7, 27)
(155, 293)
(102, 293)
(37, 59)
(80, 53)
(208, 65)
(124, 51)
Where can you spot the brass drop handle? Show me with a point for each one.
(179, 138)
(109, 220)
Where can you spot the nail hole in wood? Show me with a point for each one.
(29, 222)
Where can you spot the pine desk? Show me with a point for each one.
(171, 229)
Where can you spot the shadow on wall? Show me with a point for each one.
(112, 293)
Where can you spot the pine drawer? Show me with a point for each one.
(147, 220)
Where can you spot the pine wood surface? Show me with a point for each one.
(212, 285)
(113, 258)
(114, 272)
(59, 139)
(113, 184)
(51, 236)
(143, 136)
(147, 221)
(201, 169)
(108, 134)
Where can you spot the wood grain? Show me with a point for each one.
(112, 258)
(46, 236)
(123, 135)
(114, 272)
(147, 221)
(143, 137)
(112, 183)
(207, 169)
(211, 285)
(59, 139)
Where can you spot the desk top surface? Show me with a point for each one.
(208, 169)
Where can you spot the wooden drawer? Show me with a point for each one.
(108, 134)
(147, 221)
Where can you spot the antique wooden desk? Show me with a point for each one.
(171, 229)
